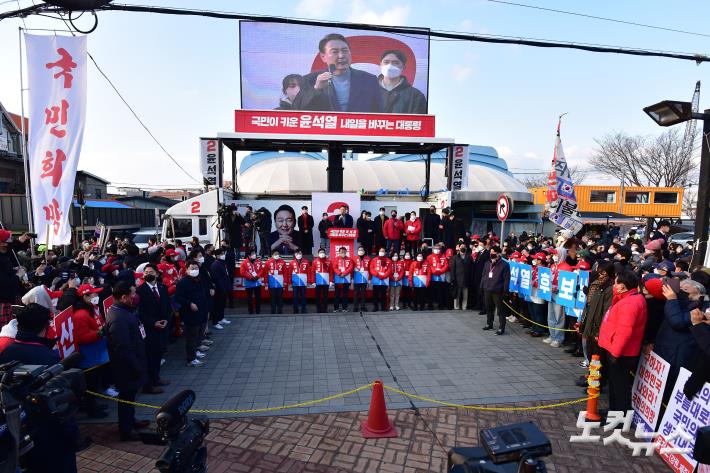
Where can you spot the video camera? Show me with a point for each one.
(31, 397)
(184, 436)
(515, 448)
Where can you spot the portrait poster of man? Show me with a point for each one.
(315, 68)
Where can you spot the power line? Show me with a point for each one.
(602, 18)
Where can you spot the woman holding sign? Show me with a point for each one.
(419, 277)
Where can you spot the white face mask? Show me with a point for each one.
(299, 256)
(221, 257)
(381, 253)
(390, 71)
(419, 258)
(395, 258)
(277, 257)
(321, 255)
(534, 263)
(555, 258)
(435, 251)
(201, 260)
(407, 257)
(94, 300)
(412, 218)
(382, 212)
(360, 252)
(77, 281)
(612, 251)
(193, 273)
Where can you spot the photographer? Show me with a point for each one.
(262, 223)
(11, 274)
(54, 441)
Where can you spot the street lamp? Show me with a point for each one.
(672, 112)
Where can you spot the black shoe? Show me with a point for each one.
(483, 312)
(581, 382)
(488, 327)
(500, 332)
(363, 309)
(97, 414)
(132, 436)
(578, 354)
(571, 349)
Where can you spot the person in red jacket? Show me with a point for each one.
(275, 270)
(392, 232)
(299, 276)
(343, 271)
(88, 333)
(407, 294)
(412, 232)
(439, 266)
(419, 277)
(361, 276)
(620, 336)
(252, 270)
(380, 272)
(398, 269)
(322, 274)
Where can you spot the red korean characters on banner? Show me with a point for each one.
(64, 329)
(57, 84)
(334, 123)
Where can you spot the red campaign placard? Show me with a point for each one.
(64, 329)
(108, 302)
(334, 123)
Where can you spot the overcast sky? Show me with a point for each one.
(181, 74)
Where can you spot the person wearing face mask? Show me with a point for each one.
(412, 232)
(430, 227)
(398, 95)
(305, 226)
(380, 272)
(392, 232)
(495, 280)
(298, 274)
(192, 299)
(322, 274)
(361, 276)
(230, 262)
(290, 87)
(419, 278)
(126, 349)
(323, 227)
(407, 295)
(378, 227)
(365, 230)
(439, 266)
(537, 306)
(342, 272)
(251, 270)
(479, 256)
(154, 310)
(274, 276)
(461, 266)
(620, 336)
(397, 280)
(219, 274)
(89, 336)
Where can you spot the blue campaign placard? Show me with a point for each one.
(299, 280)
(361, 277)
(566, 287)
(276, 281)
(514, 276)
(525, 287)
(419, 280)
(544, 283)
(342, 279)
(582, 284)
(322, 279)
(380, 282)
(249, 283)
(437, 277)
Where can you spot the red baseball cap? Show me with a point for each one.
(583, 265)
(170, 252)
(85, 289)
(540, 255)
(5, 236)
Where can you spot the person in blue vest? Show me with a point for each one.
(126, 350)
(338, 87)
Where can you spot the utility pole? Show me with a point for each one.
(702, 211)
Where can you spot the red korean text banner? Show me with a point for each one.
(64, 329)
(57, 85)
(334, 123)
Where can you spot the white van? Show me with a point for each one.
(195, 217)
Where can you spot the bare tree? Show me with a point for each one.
(540, 180)
(690, 202)
(661, 161)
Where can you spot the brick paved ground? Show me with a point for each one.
(270, 361)
(332, 443)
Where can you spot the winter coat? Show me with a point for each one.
(413, 230)
(393, 229)
(621, 331)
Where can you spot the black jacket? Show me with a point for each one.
(499, 280)
(126, 347)
(343, 221)
(30, 349)
(378, 225)
(323, 227)
(9, 282)
(306, 236)
(431, 226)
(191, 291)
(403, 99)
(364, 94)
(460, 269)
(150, 310)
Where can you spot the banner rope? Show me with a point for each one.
(533, 322)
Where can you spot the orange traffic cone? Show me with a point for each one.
(378, 424)
(593, 389)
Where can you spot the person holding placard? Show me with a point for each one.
(419, 277)
(322, 274)
(298, 274)
(396, 281)
(251, 270)
(380, 272)
(361, 276)
(274, 275)
(407, 294)
(343, 271)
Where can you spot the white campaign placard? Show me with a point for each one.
(647, 392)
(209, 161)
(57, 92)
(458, 168)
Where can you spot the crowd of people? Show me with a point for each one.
(642, 296)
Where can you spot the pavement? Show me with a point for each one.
(269, 361)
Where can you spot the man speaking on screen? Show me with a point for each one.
(339, 87)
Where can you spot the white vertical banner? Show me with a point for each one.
(458, 168)
(209, 160)
(57, 95)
